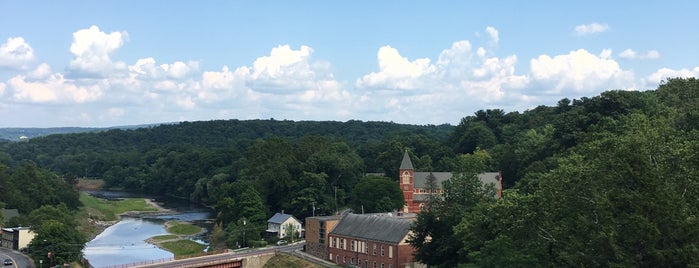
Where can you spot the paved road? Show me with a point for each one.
(20, 260)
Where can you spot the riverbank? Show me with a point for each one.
(97, 214)
(178, 241)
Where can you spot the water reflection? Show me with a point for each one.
(124, 243)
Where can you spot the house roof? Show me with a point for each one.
(373, 227)
(280, 218)
(421, 178)
(406, 163)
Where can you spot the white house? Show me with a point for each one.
(280, 222)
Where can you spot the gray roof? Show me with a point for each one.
(373, 227)
(441, 177)
(406, 163)
(280, 218)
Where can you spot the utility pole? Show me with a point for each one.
(336, 200)
(244, 233)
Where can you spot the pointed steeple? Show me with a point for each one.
(406, 163)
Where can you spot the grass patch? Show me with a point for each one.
(101, 209)
(183, 247)
(164, 237)
(181, 228)
(288, 261)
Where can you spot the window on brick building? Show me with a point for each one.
(374, 252)
(344, 259)
(382, 251)
(390, 251)
(374, 264)
(352, 243)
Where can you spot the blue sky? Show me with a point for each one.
(113, 63)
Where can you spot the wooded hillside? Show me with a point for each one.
(588, 179)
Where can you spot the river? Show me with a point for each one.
(124, 242)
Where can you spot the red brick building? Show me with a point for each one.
(415, 189)
(372, 241)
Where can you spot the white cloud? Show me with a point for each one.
(493, 33)
(2, 88)
(42, 71)
(579, 71)
(285, 71)
(16, 53)
(396, 71)
(633, 55)
(55, 89)
(654, 79)
(225, 79)
(148, 70)
(592, 28)
(92, 51)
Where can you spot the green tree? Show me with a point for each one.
(63, 242)
(432, 234)
(376, 194)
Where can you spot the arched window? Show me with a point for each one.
(406, 177)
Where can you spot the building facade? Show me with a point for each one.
(417, 189)
(317, 231)
(16, 238)
(280, 222)
(371, 241)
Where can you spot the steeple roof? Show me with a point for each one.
(406, 163)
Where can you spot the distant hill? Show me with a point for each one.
(18, 134)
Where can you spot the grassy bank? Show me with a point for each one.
(105, 210)
(182, 228)
(287, 261)
(182, 247)
(176, 242)
(96, 213)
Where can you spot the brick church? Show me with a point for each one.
(415, 189)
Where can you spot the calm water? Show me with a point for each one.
(124, 242)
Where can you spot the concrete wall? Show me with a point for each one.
(257, 261)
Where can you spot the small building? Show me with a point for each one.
(16, 238)
(372, 241)
(317, 230)
(280, 223)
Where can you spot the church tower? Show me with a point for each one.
(406, 180)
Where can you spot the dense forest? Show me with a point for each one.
(599, 181)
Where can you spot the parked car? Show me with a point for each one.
(8, 262)
(281, 242)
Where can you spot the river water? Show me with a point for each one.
(125, 242)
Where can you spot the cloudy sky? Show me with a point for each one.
(115, 63)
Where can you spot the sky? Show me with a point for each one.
(119, 63)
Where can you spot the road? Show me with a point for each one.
(19, 260)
